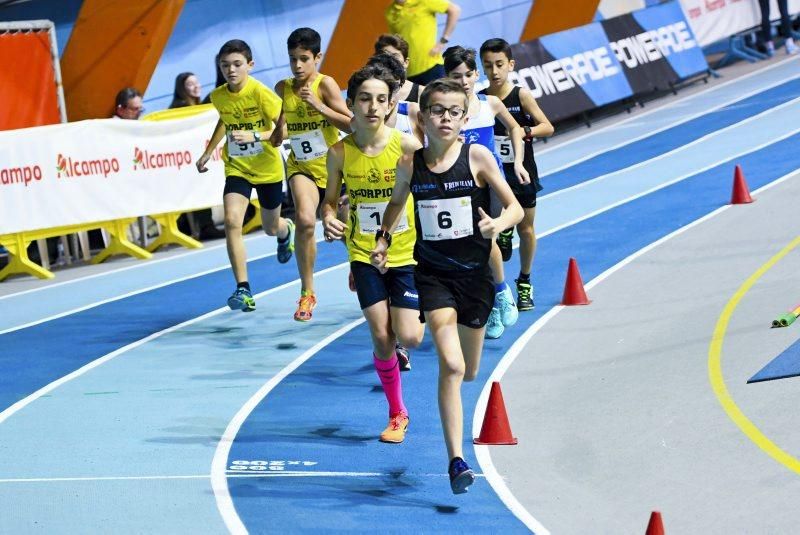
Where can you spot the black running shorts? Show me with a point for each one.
(470, 294)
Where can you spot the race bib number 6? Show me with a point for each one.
(445, 219)
(504, 148)
(308, 146)
(369, 218)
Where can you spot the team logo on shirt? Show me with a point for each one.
(374, 176)
(472, 137)
(301, 112)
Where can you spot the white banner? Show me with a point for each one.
(99, 170)
(712, 20)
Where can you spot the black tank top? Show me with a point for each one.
(513, 104)
(446, 216)
(413, 95)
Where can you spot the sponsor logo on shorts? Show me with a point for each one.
(475, 322)
(409, 294)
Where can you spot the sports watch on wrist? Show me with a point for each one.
(444, 40)
(256, 135)
(385, 235)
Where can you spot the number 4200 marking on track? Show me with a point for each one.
(261, 466)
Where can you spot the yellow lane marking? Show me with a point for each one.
(715, 367)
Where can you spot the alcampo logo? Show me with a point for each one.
(69, 167)
(20, 175)
(143, 159)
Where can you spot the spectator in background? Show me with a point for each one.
(187, 93)
(786, 27)
(415, 21)
(128, 104)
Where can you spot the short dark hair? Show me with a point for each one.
(391, 64)
(306, 38)
(370, 72)
(442, 85)
(125, 95)
(456, 55)
(236, 46)
(393, 40)
(497, 46)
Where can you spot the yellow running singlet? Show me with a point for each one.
(370, 181)
(310, 134)
(252, 108)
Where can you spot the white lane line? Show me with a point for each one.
(126, 295)
(148, 263)
(483, 453)
(232, 475)
(666, 184)
(19, 405)
(679, 120)
(219, 482)
(651, 111)
(126, 268)
(674, 152)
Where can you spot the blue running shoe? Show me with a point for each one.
(508, 308)
(461, 477)
(494, 327)
(242, 300)
(286, 248)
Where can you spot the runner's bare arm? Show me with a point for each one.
(333, 106)
(516, 134)
(484, 168)
(216, 137)
(334, 229)
(543, 126)
(400, 193)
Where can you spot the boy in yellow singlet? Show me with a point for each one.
(314, 112)
(366, 161)
(249, 112)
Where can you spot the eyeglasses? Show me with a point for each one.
(455, 113)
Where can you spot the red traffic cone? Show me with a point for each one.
(655, 526)
(495, 429)
(574, 294)
(741, 193)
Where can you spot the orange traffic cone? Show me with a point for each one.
(574, 294)
(655, 526)
(741, 193)
(495, 429)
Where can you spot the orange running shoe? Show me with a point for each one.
(304, 307)
(395, 432)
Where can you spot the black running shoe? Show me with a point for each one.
(504, 241)
(461, 477)
(403, 358)
(524, 295)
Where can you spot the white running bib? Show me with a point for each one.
(504, 148)
(370, 214)
(309, 146)
(445, 219)
(237, 150)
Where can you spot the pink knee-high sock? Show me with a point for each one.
(389, 374)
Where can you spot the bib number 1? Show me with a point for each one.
(369, 218)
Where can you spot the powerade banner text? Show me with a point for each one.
(587, 67)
